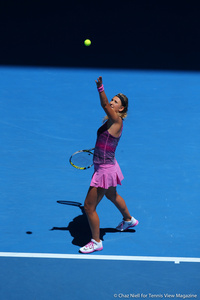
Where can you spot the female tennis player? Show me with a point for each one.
(107, 173)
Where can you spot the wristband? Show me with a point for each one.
(100, 89)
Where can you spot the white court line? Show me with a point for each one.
(176, 260)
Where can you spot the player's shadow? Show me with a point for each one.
(79, 227)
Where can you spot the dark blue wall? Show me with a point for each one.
(128, 33)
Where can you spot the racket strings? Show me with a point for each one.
(82, 159)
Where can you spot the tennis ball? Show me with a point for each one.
(87, 42)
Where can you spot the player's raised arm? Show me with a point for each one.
(108, 108)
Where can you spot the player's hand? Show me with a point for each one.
(99, 81)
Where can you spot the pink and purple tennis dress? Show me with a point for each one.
(107, 172)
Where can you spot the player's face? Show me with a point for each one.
(116, 104)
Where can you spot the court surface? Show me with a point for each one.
(46, 114)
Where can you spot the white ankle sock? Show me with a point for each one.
(96, 243)
(133, 221)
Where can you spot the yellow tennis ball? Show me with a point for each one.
(87, 42)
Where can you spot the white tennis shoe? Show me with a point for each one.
(124, 225)
(91, 247)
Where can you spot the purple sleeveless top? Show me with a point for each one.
(106, 144)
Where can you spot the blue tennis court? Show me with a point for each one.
(49, 113)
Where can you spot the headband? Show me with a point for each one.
(122, 100)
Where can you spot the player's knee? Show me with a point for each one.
(88, 208)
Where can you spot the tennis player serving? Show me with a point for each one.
(107, 173)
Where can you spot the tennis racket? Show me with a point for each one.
(82, 159)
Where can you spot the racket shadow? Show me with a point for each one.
(79, 227)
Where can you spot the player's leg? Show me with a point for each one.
(93, 198)
(119, 202)
(128, 221)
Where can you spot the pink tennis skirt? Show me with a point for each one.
(106, 175)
